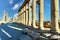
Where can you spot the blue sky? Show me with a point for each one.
(12, 7)
(47, 10)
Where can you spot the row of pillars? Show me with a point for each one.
(24, 14)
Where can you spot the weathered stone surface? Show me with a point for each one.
(26, 30)
(25, 37)
(31, 33)
(55, 37)
(34, 35)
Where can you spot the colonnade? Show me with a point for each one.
(24, 14)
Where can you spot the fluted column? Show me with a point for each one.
(41, 14)
(33, 13)
(54, 15)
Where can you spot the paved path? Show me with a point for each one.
(10, 31)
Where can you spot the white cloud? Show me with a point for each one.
(15, 6)
(11, 1)
(15, 15)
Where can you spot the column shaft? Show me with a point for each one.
(41, 14)
(54, 15)
(33, 13)
(24, 18)
(26, 15)
(19, 17)
(29, 14)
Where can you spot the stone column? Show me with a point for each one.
(22, 16)
(29, 14)
(19, 16)
(25, 15)
(54, 15)
(33, 13)
(41, 14)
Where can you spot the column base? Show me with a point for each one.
(58, 31)
(35, 27)
(44, 28)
